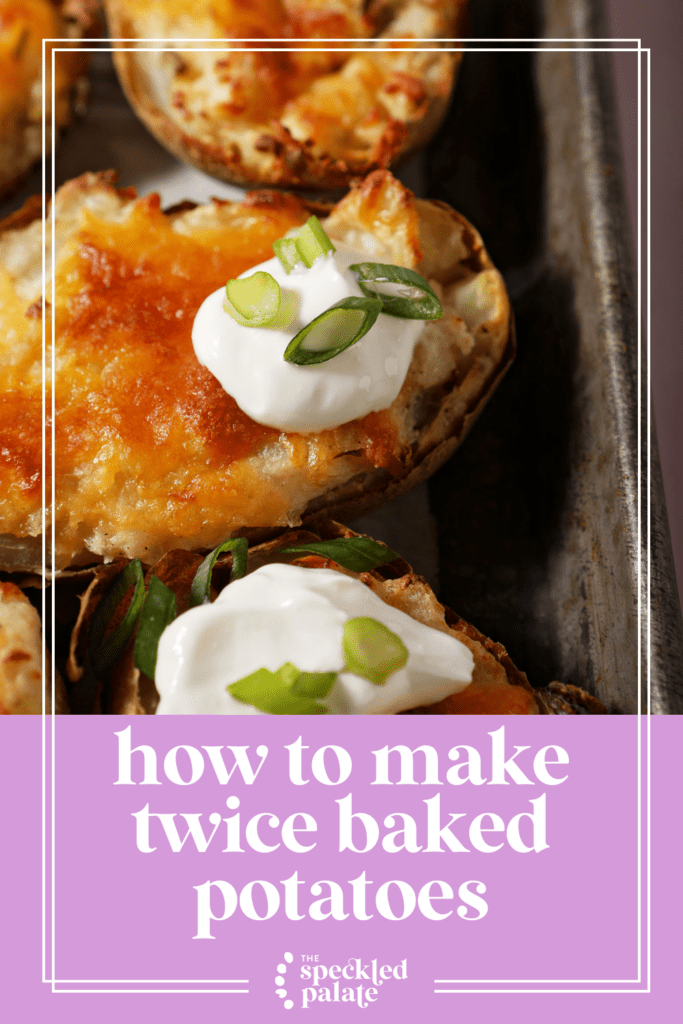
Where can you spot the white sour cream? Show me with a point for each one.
(248, 363)
(284, 613)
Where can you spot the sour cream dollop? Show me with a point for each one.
(248, 363)
(284, 613)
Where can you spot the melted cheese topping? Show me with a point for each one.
(21, 411)
(147, 441)
(23, 26)
(152, 454)
(259, 84)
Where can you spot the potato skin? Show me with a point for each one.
(497, 686)
(23, 25)
(21, 658)
(283, 118)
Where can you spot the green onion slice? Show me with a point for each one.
(287, 252)
(201, 584)
(372, 651)
(303, 245)
(287, 691)
(403, 292)
(253, 301)
(339, 327)
(158, 612)
(359, 554)
(105, 651)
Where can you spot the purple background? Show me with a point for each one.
(598, 934)
(123, 913)
(102, 872)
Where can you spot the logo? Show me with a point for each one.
(312, 982)
(280, 980)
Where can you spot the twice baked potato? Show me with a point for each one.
(21, 658)
(151, 452)
(23, 26)
(21, 654)
(491, 684)
(311, 117)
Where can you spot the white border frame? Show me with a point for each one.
(175, 45)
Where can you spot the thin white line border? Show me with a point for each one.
(577, 45)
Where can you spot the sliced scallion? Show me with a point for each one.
(303, 245)
(287, 252)
(339, 327)
(312, 241)
(403, 292)
(372, 651)
(201, 585)
(287, 691)
(359, 554)
(105, 650)
(253, 301)
(158, 611)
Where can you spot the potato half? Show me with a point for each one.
(313, 118)
(497, 686)
(21, 658)
(21, 654)
(23, 26)
(151, 452)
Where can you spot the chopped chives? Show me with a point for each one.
(287, 252)
(105, 649)
(200, 592)
(158, 611)
(312, 241)
(287, 691)
(303, 245)
(336, 329)
(402, 292)
(372, 651)
(253, 301)
(360, 554)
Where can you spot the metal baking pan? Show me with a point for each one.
(537, 513)
(533, 528)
